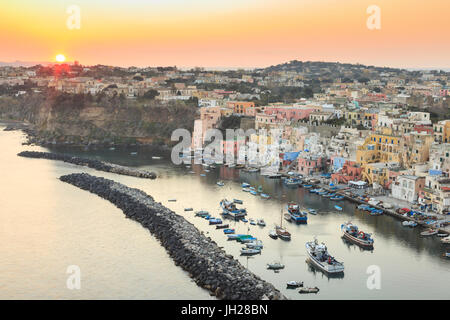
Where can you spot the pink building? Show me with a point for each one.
(310, 164)
(290, 113)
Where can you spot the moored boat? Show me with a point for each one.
(410, 224)
(202, 213)
(296, 215)
(309, 290)
(429, 232)
(273, 234)
(248, 251)
(220, 183)
(275, 266)
(360, 238)
(261, 222)
(265, 196)
(282, 233)
(228, 231)
(337, 198)
(256, 244)
(320, 258)
(222, 226)
(312, 211)
(338, 208)
(445, 240)
(229, 208)
(238, 201)
(294, 284)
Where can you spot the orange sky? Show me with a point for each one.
(216, 33)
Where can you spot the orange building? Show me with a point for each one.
(242, 107)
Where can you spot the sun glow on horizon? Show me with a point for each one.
(60, 58)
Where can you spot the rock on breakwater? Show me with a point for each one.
(208, 264)
(94, 164)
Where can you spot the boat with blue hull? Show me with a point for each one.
(297, 216)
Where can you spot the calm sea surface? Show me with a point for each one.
(47, 225)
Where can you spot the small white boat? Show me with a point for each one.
(256, 244)
(261, 222)
(133, 153)
(220, 183)
(275, 266)
(248, 251)
(410, 224)
(309, 290)
(429, 232)
(445, 240)
(273, 234)
(252, 222)
(312, 211)
(156, 158)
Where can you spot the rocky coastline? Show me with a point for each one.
(208, 264)
(91, 163)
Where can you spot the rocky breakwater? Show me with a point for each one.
(209, 265)
(91, 163)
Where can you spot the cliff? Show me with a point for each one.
(84, 119)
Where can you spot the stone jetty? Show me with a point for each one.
(91, 163)
(207, 264)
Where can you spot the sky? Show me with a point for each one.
(231, 33)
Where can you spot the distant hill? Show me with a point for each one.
(23, 63)
(320, 66)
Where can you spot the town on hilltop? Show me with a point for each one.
(382, 129)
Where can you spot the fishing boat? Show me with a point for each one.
(309, 290)
(294, 284)
(338, 208)
(410, 224)
(312, 211)
(246, 238)
(214, 221)
(201, 213)
(220, 183)
(234, 236)
(265, 196)
(429, 232)
(291, 183)
(307, 186)
(337, 198)
(222, 226)
(275, 266)
(273, 234)
(245, 185)
(320, 258)
(360, 238)
(297, 216)
(261, 222)
(256, 244)
(228, 231)
(229, 208)
(237, 201)
(282, 233)
(248, 251)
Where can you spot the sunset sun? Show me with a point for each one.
(60, 58)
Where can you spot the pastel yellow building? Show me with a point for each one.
(379, 148)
